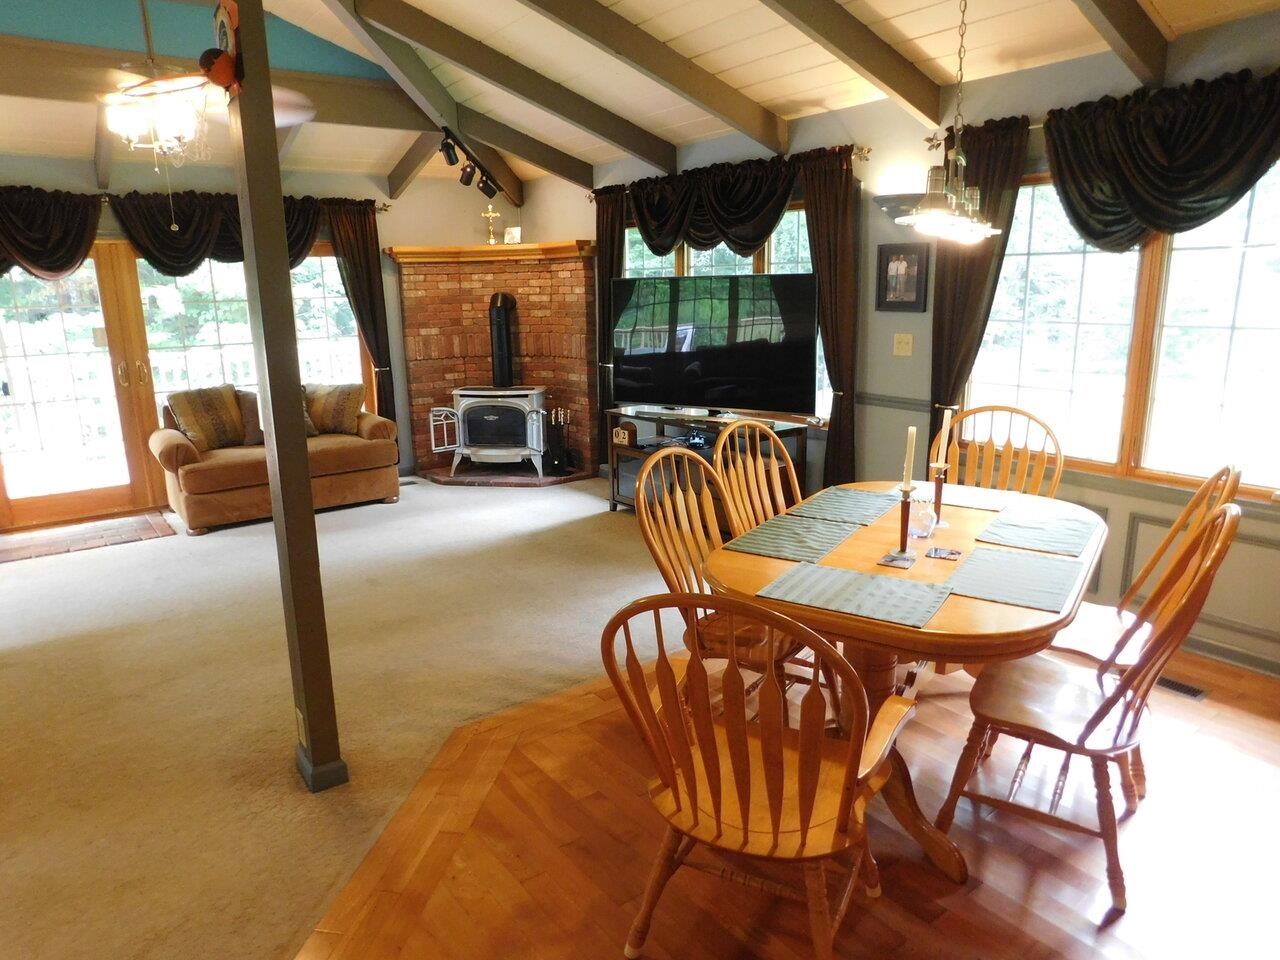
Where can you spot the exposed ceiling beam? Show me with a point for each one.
(285, 139)
(1131, 33)
(413, 76)
(414, 26)
(104, 142)
(486, 130)
(622, 39)
(410, 165)
(47, 70)
(852, 42)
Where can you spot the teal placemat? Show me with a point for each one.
(976, 498)
(847, 506)
(793, 538)
(1039, 531)
(862, 594)
(1022, 579)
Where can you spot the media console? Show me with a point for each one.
(698, 428)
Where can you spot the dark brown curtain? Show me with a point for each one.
(1162, 160)
(739, 204)
(353, 225)
(965, 277)
(833, 210)
(208, 228)
(611, 239)
(46, 232)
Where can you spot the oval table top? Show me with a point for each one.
(965, 629)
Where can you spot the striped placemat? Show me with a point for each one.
(846, 506)
(892, 599)
(789, 537)
(1037, 531)
(1033, 580)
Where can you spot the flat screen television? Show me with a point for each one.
(747, 342)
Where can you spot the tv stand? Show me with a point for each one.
(697, 421)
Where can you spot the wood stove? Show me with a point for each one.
(491, 425)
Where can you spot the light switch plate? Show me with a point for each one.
(903, 344)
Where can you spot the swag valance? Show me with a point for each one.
(46, 232)
(208, 228)
(1162, 160)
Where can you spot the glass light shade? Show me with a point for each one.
(165, 114)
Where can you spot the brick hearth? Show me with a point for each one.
(444, 295)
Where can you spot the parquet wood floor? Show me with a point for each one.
(529, 836)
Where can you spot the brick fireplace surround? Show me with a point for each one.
(444, 296)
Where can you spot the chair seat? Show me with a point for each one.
(1094, 632)
(1050, 701)
(714, 630)
(756, 838)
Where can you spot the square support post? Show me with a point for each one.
(270, 295)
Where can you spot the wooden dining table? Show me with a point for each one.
(963, 630)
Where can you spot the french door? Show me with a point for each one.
(76, 402)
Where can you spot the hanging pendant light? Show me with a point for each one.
(163, 114)
(950, 210)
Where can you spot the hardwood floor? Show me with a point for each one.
(530, 836)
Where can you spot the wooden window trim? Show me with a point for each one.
(1153, 275)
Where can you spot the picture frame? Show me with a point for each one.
(902, 277)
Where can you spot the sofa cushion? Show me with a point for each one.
(339, 453)
(251, 416)
(335, 408)
(328, 453)
(210, 417)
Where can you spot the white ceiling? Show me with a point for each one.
(740, 41)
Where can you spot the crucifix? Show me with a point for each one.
(491, 215)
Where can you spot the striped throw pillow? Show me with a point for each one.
(209, 417)
(335, 408)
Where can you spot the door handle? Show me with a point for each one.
(122, 373)
(143, 372)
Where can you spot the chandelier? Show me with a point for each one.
(950, 210)
(163, 114)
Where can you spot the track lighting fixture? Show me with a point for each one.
(488, 187)
(468, 174)
(449, 150)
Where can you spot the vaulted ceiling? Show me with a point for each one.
(560, 85)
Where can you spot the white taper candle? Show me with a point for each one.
(910, 458)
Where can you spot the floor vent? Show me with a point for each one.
(1186, 689)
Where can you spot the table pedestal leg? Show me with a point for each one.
(877, 669)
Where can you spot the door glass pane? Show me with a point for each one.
(59, 423)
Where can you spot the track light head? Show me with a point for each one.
(468, 174)
(488, 187)
(450, 151)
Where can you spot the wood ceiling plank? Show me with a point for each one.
(618, 36)
(851, 41)
(1131, 34)
(285, 139)
(503, 137)
(412, 25)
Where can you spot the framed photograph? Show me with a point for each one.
(902, 276)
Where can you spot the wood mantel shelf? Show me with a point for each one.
(554, 250)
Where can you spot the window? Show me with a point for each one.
(1057, 341)
(198, 327)
(1142, 384)
(1212, 397)
(786, 252)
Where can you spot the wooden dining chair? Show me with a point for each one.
(1091, 711)
(758, 474)
(1001, 448)
(678, 499)
(1096, 629)
(752, 773)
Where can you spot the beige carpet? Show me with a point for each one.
(148, 803)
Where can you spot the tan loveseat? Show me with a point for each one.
(229, 485)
